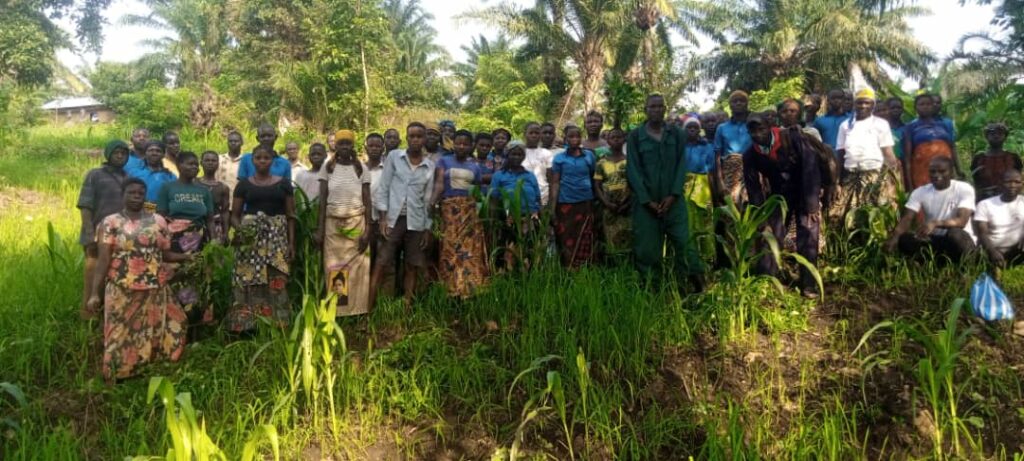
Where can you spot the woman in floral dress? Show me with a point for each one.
(142, 323)
(262, 214)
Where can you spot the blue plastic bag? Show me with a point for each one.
(988, 301)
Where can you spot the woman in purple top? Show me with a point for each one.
(463, 263)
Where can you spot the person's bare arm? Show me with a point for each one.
(985, 240)
(100, 275)
(889, 157)
(901, 228)
(553, 190)
(438, 186)
(236, 213)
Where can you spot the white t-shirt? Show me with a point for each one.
(344, 190)
(942, 204)
(308, 181)
(863, 142)
(374, 184)
(538, 161)
(1005, 220)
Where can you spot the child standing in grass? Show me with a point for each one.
(141, 320)
(101, 196)
(612, 190)
(520, 219)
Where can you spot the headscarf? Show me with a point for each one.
(866, 93)
(344, 135)
(112, 146)
(432, 126)
(691, 121)
(516, 143)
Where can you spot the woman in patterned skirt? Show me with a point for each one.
(142, 323)
(262, 214)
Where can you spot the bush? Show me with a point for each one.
(156, 107)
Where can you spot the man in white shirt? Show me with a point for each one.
(227, 173)
(538, 159)
(947, 205)
(864, 147)
(999, 221)
(308, 179)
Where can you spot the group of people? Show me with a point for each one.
(613, 195)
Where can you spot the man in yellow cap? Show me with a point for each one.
(864, 147)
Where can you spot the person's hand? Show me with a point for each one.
(425, 240)
(890, 245)
(318, 237)
(667, 203)
(814, 217)
(624, 207)
(653, 207)
(997, 258)
(92, 307)
(364, 242)
(384, 228)
(925, 230)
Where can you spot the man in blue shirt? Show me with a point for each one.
(266, 135)
(137, 154)
(828, 125)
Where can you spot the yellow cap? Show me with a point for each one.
(866, 93)
(344, 135)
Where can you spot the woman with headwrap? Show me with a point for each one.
(101, 196)
(344, 227)
(989, 167)
(731, 140)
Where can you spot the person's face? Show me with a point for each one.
(449, 131)
(895, 110)
(573, 138)
(292, 150)
(463, 146)
(415, 136)
(547, 135)
(616, 139)
(1012, 184)
(654, 110)
(710, 124)
(374, 148)
(692, 132)
(173, 145)
(262, 160)
(392, 140)
(344, 148)
(118, 157)
(593, 125)
(925, 107)
(330, 141)
(134, 197)
(865, 107)
(210, 164)
(189, 168)
(317, 155)
(995, 137)
(433, 139)
(500, 141)
(790, 114)
(139, 139)
(532, 135)
(814, 104)
(882, 111)
(940, 174)
(267, 138)
(516, 157)
(154, 156)
(835, 101)
(770, 117)
(738, 104)
(761, 134)
(234, 143)
(483, 146)
(848, 102)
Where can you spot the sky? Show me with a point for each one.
(940, 31)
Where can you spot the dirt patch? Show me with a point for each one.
(14, 197)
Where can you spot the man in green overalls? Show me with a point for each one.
(656, 170)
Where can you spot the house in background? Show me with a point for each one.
(78, 110)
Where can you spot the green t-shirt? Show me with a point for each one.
(184, 201)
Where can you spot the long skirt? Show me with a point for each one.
(732, 176)
(347, 270)
(260, 285)
(863, 188)
(188, 237)
(922, 156)
(574, 233)
(139, 327)
(463, 248)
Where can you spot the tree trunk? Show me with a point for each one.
(203, 109)
(591, 64)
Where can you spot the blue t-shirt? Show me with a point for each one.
(576, 176)
(154, 180)
(828, 127)
(506, 181)
(459, 177)
(134, 163)
(732, 138)
(700, 157)
(279, 167)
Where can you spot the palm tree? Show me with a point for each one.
(480, 47)
(200, 37)
(413, 37)
(582, 30)
(822, 40)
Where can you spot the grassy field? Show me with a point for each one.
(542, 365)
